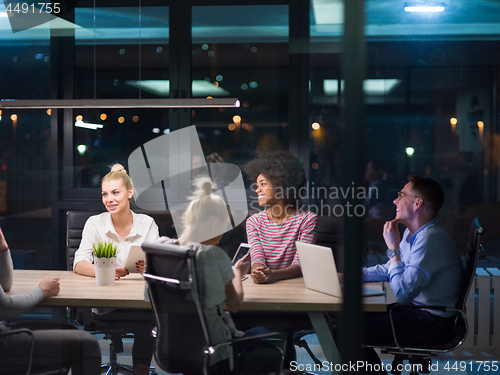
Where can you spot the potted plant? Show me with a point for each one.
(105, 262)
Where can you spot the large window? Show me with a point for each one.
(237, 51)
(120, 53)
(431, 108)
(242, 51)
(431, 100)
(25, 141)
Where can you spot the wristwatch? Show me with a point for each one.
(391, 253)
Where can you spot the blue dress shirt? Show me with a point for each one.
(429, 273)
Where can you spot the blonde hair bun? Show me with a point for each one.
(118, 172)
(118, 168)
(206, 216)
(207, 187)
(204, 186)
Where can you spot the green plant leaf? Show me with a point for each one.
(104, 249)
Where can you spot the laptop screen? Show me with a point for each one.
(319, 269)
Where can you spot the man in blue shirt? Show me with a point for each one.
(424, 268)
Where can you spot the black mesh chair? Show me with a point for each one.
(26, 368)
(183, 340)
(75, 221)
(420, 357)
(111, 330)
(330, 233)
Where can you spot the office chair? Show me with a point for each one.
(183, 343)
(8, 369)
(112, 331)
(420, 357)
(330, 233)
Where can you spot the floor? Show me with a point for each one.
(471, 361)
(125, 357)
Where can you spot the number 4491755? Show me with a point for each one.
(33, 8)
(471, 366)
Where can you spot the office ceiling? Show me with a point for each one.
(385, 20)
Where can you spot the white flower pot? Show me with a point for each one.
(105, 270)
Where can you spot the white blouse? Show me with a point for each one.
(100, 228)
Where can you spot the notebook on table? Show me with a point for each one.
(136, 254)
(320, 271)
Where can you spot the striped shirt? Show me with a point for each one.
(274, 245)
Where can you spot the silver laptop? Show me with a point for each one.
(319, 269)
(320, 272)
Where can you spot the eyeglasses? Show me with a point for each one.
(402, 195)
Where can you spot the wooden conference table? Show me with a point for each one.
(292, 295)
(128, 292)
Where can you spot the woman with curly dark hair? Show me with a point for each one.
(272, 233)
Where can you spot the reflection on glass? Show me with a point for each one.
(25, 183)
(247, 58)
(25, 57)
(434, 113)
(25, 143)
(101, 139)
(121, 51)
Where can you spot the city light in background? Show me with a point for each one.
(81, 149)
(453, 122)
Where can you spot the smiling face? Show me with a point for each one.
(115, 196)
(265, 191)
(406, 204)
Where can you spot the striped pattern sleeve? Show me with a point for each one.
(274, 245)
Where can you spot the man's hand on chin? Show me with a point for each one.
(391, 234)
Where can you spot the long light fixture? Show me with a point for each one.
(424, 7)
(118, 103)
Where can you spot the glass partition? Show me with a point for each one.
(431, 97)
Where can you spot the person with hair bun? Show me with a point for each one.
(125, 228)
(272, 232)
(220, 283)
(206, 214)
(120, 225)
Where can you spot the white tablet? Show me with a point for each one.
(136, 254)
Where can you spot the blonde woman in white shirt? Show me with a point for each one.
(125, 228)
(120, 225)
